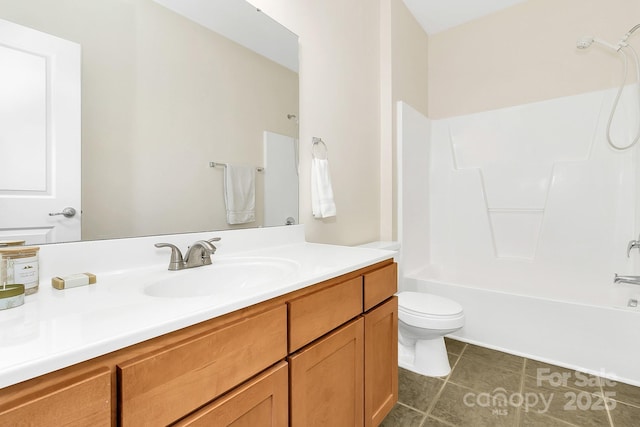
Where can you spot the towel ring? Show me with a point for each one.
(318, 142)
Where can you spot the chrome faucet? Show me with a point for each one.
(198, 254)
(632, 280)
(634, 244)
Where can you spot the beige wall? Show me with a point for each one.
(370, 55)
(409, 53)
(339, 102)
(403, 77)
(161, 97)
(526, 53)
(409, 47)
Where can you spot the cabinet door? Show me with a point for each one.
(81, 401)
(262, 401)
(327, 380)
(380, 361)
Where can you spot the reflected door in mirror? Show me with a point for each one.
(39, 135)
(280, 180)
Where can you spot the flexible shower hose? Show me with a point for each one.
(617, 99)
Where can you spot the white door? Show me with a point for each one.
(39, 136)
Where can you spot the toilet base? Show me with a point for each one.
(428, 357)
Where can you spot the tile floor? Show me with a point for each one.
(491, 388)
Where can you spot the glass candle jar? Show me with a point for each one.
(20, 267)
(11, 295)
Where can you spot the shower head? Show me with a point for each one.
(585, 42)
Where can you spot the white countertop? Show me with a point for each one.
(55, 329)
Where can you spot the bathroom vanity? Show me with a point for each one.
(317, 347)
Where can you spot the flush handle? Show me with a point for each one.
(67, 212)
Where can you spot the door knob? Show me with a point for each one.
(66, 212)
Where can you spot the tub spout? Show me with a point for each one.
(632, 280)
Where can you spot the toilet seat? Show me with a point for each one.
(429, 311)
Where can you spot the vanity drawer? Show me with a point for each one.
(313, 315)
(81, 401)
(163, 386)
(379, 285)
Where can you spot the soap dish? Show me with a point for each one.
(11, 296)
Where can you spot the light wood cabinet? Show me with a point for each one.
(262, 401)
(81, 401)
(350, 376)
(327, 380)
(380, 361)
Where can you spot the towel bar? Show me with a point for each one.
(224, 165)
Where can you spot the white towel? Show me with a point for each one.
(322, 203)
(240, 193)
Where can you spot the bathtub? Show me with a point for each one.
(600, 339)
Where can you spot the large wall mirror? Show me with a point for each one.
(168, 88)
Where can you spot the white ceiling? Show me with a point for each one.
(438, 15)
(241, 22)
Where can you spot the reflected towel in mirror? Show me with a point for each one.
(240, 193)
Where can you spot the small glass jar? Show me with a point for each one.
(19, 265)
(11, 296)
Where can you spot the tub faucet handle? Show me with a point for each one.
(634, 244)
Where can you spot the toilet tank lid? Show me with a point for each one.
(421, 302)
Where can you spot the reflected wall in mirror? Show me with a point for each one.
(162, 96)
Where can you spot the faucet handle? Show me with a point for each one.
(214, 239)
(176, 262)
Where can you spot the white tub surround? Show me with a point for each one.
(523, 215)
(531, 190)
(58, 328)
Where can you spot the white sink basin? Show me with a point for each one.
(221, 276)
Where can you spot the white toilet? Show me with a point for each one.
(423, 321)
